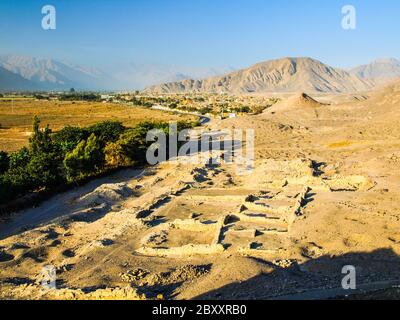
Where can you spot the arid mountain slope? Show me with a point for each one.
(283, 75)
(11, 81)
(49, 74)
(380, 71)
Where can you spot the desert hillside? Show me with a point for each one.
(380, 71)
(322, 194)
(283, 75)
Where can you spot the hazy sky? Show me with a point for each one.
(201, 33)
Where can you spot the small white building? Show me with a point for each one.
(105, 97)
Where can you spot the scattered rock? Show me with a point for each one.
(285, 263)
(251, 198)
(312, 251)
(134, 275)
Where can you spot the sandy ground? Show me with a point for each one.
(323, 194)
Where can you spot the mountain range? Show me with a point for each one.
(141, 76)
(49, 74)
(289, 75)
(380, 71)
(19, 73)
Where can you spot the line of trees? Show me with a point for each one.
(80, 96)
(74, 154)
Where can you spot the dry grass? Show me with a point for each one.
(16, 121)
(341, 144)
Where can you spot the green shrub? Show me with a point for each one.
(86, 159)
(116, 155)
(44, 170)
(4, 162)
(17, 176)
(19, 158)
(69, 137)
(106, 131)
(131, 146)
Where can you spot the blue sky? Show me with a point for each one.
(201, 33)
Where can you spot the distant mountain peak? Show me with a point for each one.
(386, 60)
(289, 74)
(380, 70)
(49, 74)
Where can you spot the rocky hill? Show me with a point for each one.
(380, 71)
(283, 75)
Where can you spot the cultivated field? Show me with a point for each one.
(16, 117)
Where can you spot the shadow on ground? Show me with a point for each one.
(319, 278)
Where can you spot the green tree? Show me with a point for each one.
(44, 170)
(68, 138)
(19, 158)
(17, 175)
(116, 155)
(94, 153)
(86, 159)
(74, 162)
(133, 146)
(40, 141)
(107, 131)
(44, 165)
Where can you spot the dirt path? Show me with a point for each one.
(59, 206)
